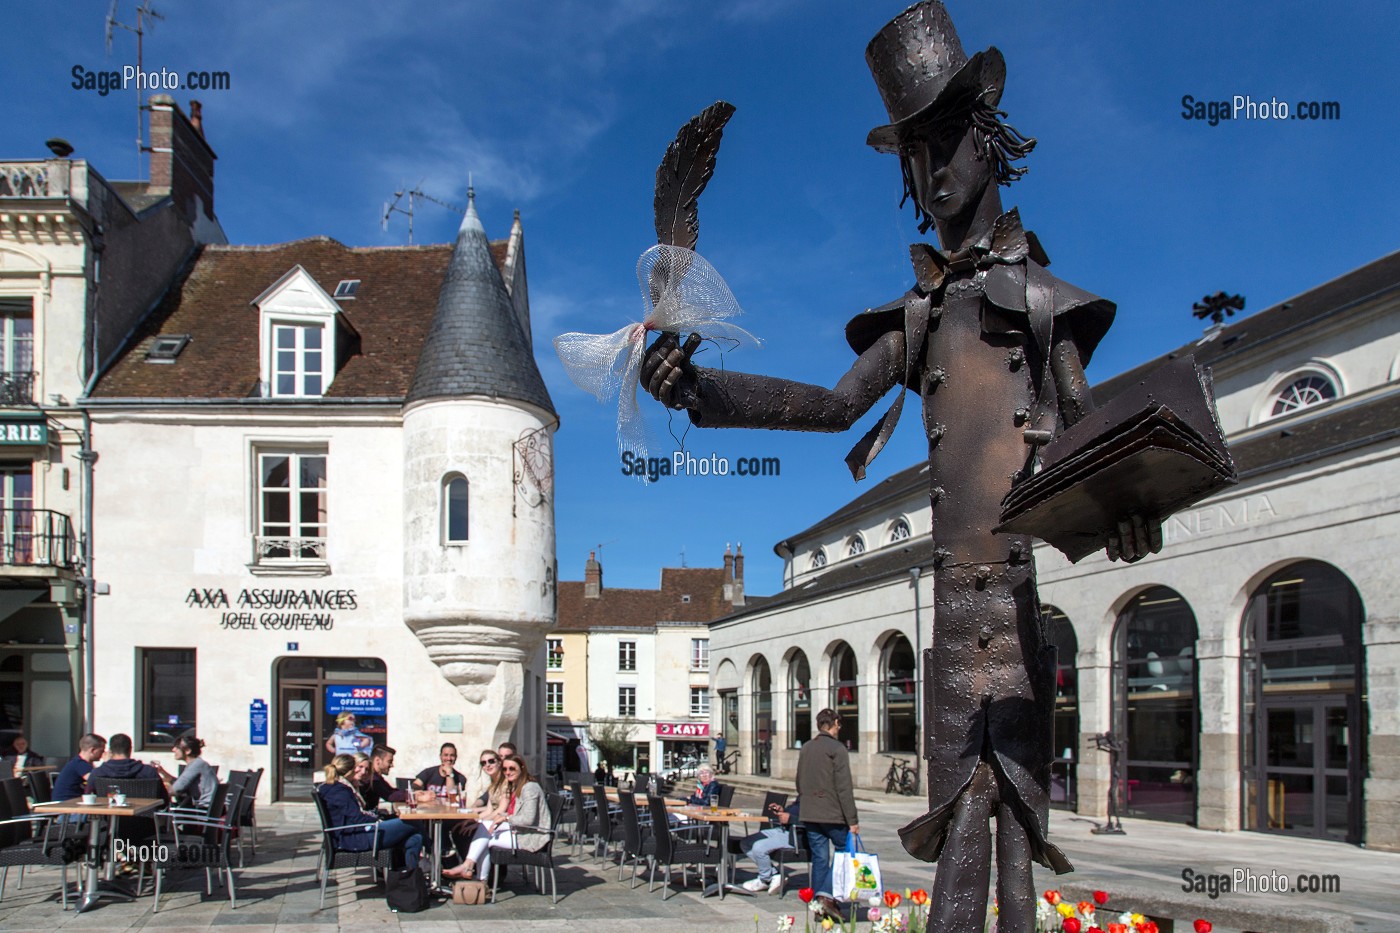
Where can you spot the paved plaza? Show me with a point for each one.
(278, 888)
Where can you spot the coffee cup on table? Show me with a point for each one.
(119, 799)
(89, 799)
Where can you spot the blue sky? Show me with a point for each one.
(562, 110)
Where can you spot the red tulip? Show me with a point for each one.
(806, 895)
(1053, 897)
(1101, 898)
(1072, 925)
(1147, 927)
(1084, 907)
(1202, 926)
(1117, 928)
(1094, 930)
(892, 898)
(919, 897)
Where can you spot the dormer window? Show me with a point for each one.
(298, 359)
(298, 328)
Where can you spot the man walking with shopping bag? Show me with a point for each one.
(827, 808)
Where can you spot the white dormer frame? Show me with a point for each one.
(296, 300)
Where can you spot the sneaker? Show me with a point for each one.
(776, 884)
(754, 885)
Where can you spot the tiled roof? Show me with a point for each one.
(475, 345)
(633, 608)
(212, 303)
(1326, 434)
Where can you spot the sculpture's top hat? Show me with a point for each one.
(919, 67)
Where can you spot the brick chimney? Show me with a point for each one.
(592, 578)
(727, 592)
(182, 162)
(738, 598)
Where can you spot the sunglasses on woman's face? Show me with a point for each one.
(510, 770)
(490, 761)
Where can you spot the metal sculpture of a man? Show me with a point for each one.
(995, 348)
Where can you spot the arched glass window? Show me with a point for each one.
(1062, 766)
(845, 694)
(454, 509)
(762, 718)
(819, 558)
(1303, 738)
(799, 700)
(899, 696)
(1154, 667)
(899, 530)
(1304, 391)
(856, 546)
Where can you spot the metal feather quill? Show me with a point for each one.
(684, 172)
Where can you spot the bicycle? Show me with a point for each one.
(901, 777)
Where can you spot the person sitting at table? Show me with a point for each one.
(506, 749)
(345, 807)
(485, 788)
(517, 824)
(761, 845)
(347, 738)
(444, 775)
(72, 780)
(195, 786)
(121, 766)
(706, 788)
(23, 755)
(378, 789)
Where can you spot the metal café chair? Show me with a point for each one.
(636, 844)
(670, 850)
(30, 839)
(333, 856)
(541, 860)
(199, 843)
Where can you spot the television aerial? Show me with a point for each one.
(414, 194)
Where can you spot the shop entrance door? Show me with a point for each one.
(312, 693)
(1306, 771)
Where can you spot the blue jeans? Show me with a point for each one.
(821, 838)
(396, 833)
(761, 846)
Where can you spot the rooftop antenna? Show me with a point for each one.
(682, 557)
(146, 17)
(392, 207)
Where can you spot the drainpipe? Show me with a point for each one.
(87, 456)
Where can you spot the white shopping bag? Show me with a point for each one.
(855, 874)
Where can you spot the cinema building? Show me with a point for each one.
(1252, 668)
(324, 485)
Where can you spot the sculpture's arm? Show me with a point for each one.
(721, 399)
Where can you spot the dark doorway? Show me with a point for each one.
(311, 694)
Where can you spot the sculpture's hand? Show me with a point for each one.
(1137, 536)
(666, 370)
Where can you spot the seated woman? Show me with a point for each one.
(345, 807)
(486, 786)
(196, 785)
(516, 824)
(706, 788)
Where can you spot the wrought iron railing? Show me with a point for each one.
(37, 538)
(17, 388)
(274, 549)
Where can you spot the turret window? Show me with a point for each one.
(454, 509)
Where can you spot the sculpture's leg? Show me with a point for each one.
(1015, 886)
(965, 865)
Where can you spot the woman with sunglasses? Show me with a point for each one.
(517, 824)
(485, 787)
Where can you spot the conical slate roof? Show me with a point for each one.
(475, 345)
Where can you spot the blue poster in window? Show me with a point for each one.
(257, 723)
(357, 713)
(360, 700)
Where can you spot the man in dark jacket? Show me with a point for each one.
(122, 766)
(72, 780)
(827, 803)
(379, 789)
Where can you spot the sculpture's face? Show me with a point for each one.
(947, 171)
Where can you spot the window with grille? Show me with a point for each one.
(627, 701)
(699, 702)
(699, 654)
(627, 655)
(554, 654)
(291, 503)
(554, 699)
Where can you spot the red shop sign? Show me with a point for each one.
(683, 730)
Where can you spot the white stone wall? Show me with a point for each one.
(175, 512)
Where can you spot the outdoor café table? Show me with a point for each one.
(724, 818)
(135, 806)
(435, 814)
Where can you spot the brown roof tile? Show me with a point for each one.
(212, 303)
(643, 608)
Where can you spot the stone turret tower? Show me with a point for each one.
(479, 563)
